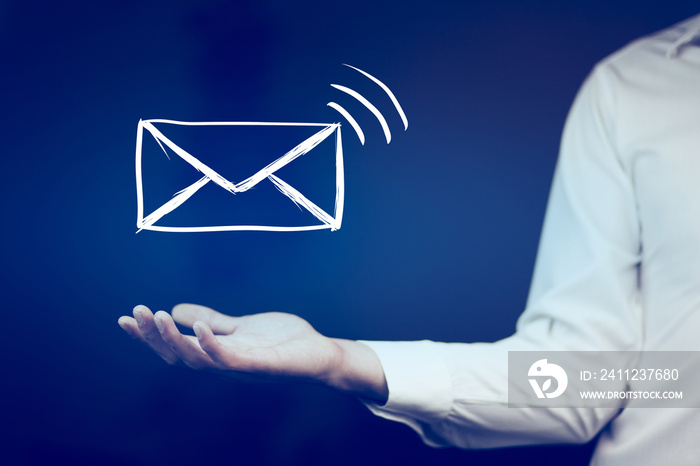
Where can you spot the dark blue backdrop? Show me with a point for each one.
(439, 236)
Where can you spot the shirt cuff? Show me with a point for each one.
(420, 386)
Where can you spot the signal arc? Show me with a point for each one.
(350, 119)
(370, 107)
(386, 89)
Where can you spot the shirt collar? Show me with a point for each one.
(692, 31)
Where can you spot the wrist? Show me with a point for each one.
(358, 371)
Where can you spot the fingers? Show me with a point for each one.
(151, 336)
(188, 314)
(129, 325)
(185, 348)
(161, 334)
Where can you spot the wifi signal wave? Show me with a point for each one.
(369, 106)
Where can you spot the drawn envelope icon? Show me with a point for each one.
(239, 188)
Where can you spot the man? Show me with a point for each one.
(618, 268)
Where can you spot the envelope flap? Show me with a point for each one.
(238, 155)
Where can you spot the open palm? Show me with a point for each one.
(269, 344)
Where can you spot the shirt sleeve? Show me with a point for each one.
(584, 296)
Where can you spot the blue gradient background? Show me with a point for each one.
(438, 240)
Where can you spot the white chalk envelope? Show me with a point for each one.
(210, 174)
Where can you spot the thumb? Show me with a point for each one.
(223, 356)
(187, 314)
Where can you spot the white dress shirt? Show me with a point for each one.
(618, 268)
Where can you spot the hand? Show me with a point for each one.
(265, 345)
